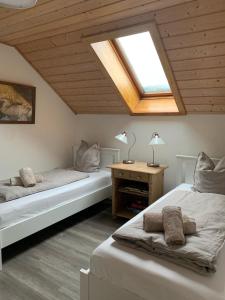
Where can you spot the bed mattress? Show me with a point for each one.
(154, 278)
(20, 209)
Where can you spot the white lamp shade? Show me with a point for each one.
(156, 140)
(122, 137)
(18, 4)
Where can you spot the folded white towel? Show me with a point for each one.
(17, 181)
(27, 176)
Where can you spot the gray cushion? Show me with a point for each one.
(87, 158)
(204, 162)
(220, 167)
(81, 150)
(209, 178)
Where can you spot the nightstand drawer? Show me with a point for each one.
(121, 174)
(138, 176)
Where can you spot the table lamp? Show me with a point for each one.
(155, 140)
(123, 137)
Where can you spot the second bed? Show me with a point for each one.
(120, 272)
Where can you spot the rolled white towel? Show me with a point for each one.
(39, 178)
(16, 181)
(27, 176)
(173, 225)
(153, 222)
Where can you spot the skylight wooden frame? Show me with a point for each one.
(143, 96)
(112, 65)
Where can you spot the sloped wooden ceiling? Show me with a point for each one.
(50, 37)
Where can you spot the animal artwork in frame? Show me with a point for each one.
(17, 103)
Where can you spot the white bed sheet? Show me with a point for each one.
(154, 278)
(20, 209)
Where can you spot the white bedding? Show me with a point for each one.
(153, 278)
(26, 207)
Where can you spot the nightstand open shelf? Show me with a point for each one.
(135, 187)
(139, 193)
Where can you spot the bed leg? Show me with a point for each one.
(84, 284)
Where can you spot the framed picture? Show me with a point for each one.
(17, 103)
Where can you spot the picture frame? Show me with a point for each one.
(17, 103)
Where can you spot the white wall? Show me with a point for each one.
(183, 135)
(46, 144)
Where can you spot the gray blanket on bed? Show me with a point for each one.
(201, 250)
(52, 179)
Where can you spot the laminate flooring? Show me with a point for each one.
(46, 265)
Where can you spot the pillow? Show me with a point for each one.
(87, 158)
(220, 167)
(80, 152)
(209, 178)
(204, 162)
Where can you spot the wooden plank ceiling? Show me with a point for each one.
(50, 35)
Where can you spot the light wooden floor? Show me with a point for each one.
(46, 266)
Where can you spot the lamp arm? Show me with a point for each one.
(153, 155)
(132, 145)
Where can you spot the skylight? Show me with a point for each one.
(139, 53)
(135, 60)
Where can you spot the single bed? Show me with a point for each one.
(24, 216)
(119, 272)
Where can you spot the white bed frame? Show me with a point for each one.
(24, 228)
(185, 168)
(94, 288)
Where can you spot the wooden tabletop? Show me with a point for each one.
(138, 166)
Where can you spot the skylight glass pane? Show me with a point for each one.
(140, 54)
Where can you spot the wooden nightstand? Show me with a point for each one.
(135, 187)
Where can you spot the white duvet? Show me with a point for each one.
(153, 278)
(20, 209)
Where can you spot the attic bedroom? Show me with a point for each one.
(112, 177)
